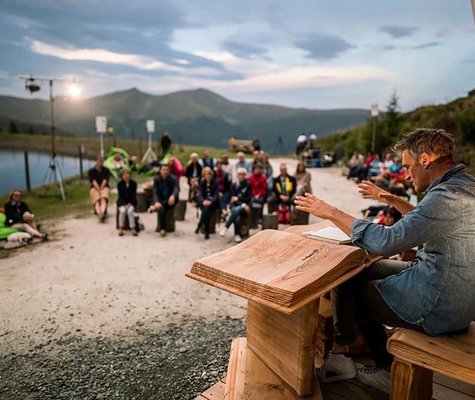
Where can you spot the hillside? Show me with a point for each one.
(457, 117)
(195, 117)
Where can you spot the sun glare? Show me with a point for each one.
(74, 91)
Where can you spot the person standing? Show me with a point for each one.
(165, 196)
(99, 193)
(126, 202)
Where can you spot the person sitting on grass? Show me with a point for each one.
(241, 193)
(432, 294)
(19, 216)
(207, 199)
(165, 196)
(99, 178)
(126, 202)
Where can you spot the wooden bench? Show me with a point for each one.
(418, 355)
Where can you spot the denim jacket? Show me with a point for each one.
(438, 291)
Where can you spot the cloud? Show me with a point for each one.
(399, 31)
(245, 50)
(100, 55)
(323, 46)
(426, 45)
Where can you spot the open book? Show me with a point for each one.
(280, 269)
(329, 234)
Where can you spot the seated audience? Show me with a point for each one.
(258, 183)
(207, 199)
(303, 178)
(193, 174)
(284, 187)
(268, 171)
(228, 168)
(19, 216)
(207, 161)
(224, 185)
(165, 196)
(99, 193)
(126, 202)
(241, 163)
(241, 193)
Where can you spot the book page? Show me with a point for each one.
(332, 234)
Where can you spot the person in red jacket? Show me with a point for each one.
(258, 182)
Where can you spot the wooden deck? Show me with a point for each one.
(444, 389)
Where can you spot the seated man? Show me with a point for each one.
(165, 196)
(432, 294)
(19, 216)
(240, 200)
(283, 191)
(99, 193)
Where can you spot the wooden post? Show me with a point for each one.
(80, 162)
(410, 382)
(27, 172)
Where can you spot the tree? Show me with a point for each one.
(13, 128)
(390, 125)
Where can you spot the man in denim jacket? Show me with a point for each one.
(434, 293)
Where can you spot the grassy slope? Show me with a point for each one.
(445, 116)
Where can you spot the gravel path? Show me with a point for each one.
(93, 315)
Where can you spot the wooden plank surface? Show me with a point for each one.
(452, 356)
(285, 343)
(234, 388)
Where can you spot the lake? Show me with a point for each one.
(12, 168)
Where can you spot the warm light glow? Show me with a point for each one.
(74, 91)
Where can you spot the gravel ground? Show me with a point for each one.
(90, 315)
(178, 362)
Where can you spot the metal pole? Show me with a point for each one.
(27, 172)
(373, 141)
(80, 162)
(102, 144)
(51, 98)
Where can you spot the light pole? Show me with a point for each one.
(31, 85)
(374, 114)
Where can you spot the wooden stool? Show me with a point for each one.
(245, 225)
(213, 222)
(270, 221)
(255, 215)
(298, 217)
(169, 221)
(180, 210)
(142, 201)
(418, 355)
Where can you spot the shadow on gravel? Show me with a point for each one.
(178, 362)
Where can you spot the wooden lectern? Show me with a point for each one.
(283, 276)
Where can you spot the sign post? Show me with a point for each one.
(374, 114)
(101, 128)
(149, 155)
(150, 125)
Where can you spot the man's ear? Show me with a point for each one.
(425, 159)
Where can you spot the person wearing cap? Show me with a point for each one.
(241, 193)
(241, 163)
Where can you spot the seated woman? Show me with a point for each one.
(241, 193)
(303, 178)
(19, 216)
(207, 199)
(126, 202)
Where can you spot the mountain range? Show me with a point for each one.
(194, 117)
